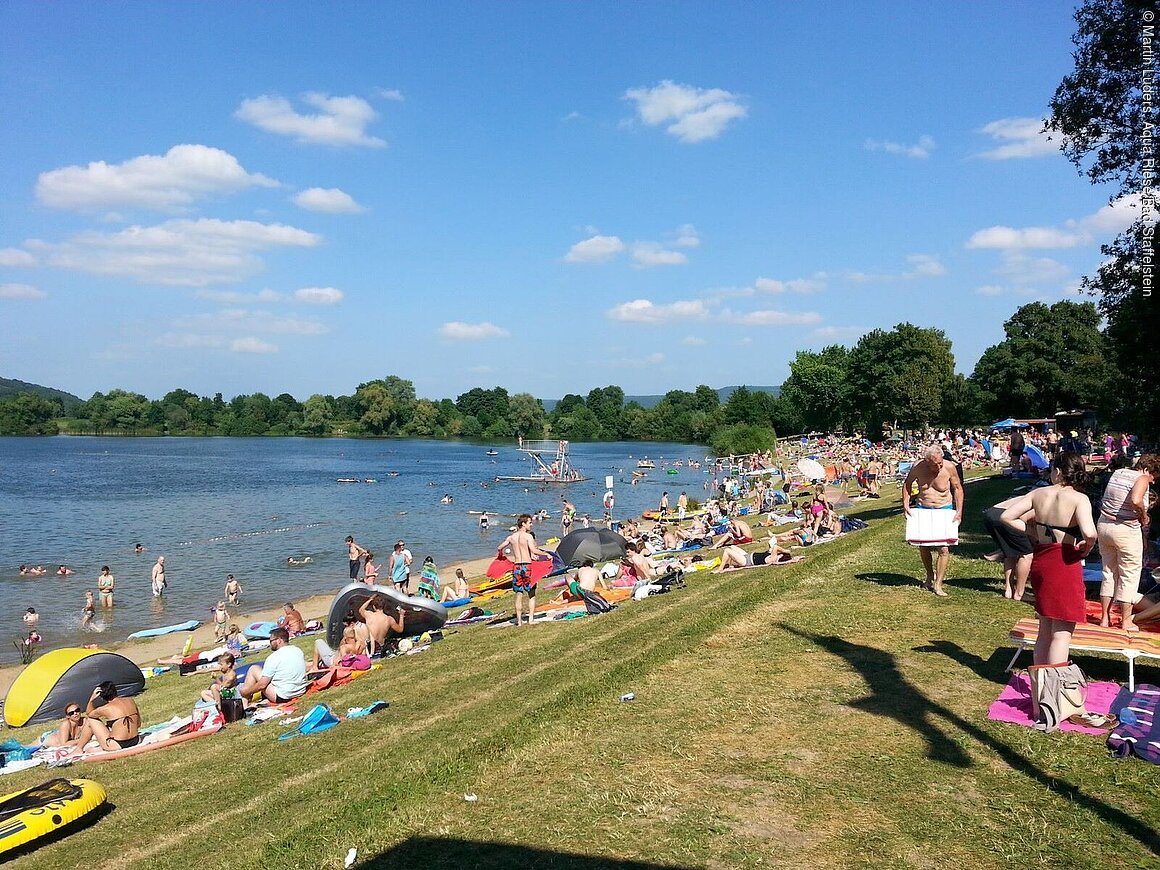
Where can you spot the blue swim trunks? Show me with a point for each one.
(522, 580)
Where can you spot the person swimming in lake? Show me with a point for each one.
(295, 561)
(31, 617)
(64, 571)
(30, 571)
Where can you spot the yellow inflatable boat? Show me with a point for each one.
(45, 810)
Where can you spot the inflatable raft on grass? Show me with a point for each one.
(421, 614)
(48, 810)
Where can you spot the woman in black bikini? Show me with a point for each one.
(124, 719)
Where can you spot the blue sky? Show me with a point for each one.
(549, 197)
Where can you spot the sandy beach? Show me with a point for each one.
(146, 651)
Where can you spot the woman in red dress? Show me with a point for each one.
(1062, 531)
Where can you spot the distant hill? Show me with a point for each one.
(10, 387)
(652, 401)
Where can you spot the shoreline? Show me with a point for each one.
(145, 652)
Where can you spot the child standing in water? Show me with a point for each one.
(89, 611)
(221, 620)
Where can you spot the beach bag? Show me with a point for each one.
(233, 710)
(594, 602)
(1058, 692)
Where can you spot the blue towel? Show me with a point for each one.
(320, 718)
(373, 707)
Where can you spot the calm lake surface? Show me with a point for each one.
(214, 506)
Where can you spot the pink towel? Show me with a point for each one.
(1014, 704)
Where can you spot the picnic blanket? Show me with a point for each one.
(1137, 732)
(1014, 704)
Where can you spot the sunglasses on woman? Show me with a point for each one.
(72, 712)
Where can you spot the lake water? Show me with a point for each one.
(214, 506)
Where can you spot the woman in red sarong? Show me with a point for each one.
(1062, 532)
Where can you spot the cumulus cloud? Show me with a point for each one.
(816, 284)
(645, 255)
(692, 341)
(691, 114)
(771, 317)
(1109, 220)
(21, 291)
(328, 200)
(1010, 238)
(458, 331)
(338, 121)
(646, 311)
(838, 332)
(232, 297)
(16, 257)
(924, 266)
(687, 237)
(392, 94)
(188, 253)
(319, 295)
(161, 182)
(250, 344)
(1020, 269)
(1020, 137)
(597, 249)
(920, 150)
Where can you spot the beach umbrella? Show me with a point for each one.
(811, 469)
(1038, 460)
(599, 545)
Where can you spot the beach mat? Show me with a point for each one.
(1014, 704)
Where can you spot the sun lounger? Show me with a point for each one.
(1092, 638)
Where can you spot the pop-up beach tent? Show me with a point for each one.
(45, 688)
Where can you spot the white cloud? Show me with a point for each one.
(459, 331)
(188, 340)
(1020, 269)
(989, 290)
(692, 114)
(1109, 220)
(392, 94)
(188, 253)
(1020, 137)
(21, 291)
(328, 200)
(250, 344)
(920, 150)
(924, 266)
(232, 297)
(838, 332)
(646, 311)
(815, 284)
(319, 295)
(771, 317)
(597, 249)
(1010, 238)
(651, 361)
(167, 182)
(649, 254)
(16, 257)
(339, 120)
(692, 341)
(687, 237)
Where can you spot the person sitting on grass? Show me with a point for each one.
(282, 677)
(379, 625)
(351, 654)
(122, 729)
(72, 730)
(227, 678)
(291, 619)
(802, 536)
(736, 532)
(735, 557)
(456, 589)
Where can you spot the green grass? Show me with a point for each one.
(829, 714)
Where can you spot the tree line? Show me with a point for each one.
(1052, 358)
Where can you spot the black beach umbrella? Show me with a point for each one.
(599, 545)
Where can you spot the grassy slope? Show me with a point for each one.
(829, 713)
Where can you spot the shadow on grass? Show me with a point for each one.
(892, 695)
(434, 852)
(993, 669)
(889, 578)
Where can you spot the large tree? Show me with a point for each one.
(1052, 359)
(816, 390)
(1099, 112)
(899, 376)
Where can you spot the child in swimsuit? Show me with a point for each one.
(227, 678)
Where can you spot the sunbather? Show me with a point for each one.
(735, 557)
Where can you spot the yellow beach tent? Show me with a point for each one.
(66, 676)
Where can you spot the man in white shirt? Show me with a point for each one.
(282, 677)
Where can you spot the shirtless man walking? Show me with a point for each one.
(939, 489)
(158, 578)
(523, 551)
(354, 554)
